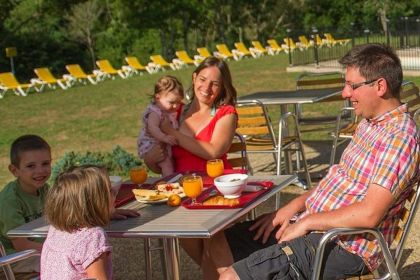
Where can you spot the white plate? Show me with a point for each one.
(163, 200)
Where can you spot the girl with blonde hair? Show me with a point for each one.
(77, 207)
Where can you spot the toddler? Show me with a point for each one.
(165, 102)
(78, 205)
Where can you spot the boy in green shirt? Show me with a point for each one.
(22, 200)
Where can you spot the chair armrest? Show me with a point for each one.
(336, 232)
(15, 257)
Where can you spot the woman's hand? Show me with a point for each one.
(166, 127)
(153, 157)
(170, 139)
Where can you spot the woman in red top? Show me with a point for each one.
(207, 124)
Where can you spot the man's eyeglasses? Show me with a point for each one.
(357, 85)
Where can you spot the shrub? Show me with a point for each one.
(117, 162)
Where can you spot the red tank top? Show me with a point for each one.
(185, 161)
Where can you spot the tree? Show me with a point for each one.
(82, 25)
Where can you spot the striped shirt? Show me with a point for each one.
(384, 151)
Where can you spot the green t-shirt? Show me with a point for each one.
(17, 208)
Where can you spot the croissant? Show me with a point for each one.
(220, 200)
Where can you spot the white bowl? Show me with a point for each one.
(231, 185)
(116, 182)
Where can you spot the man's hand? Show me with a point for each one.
(265, 224)
(292, 231)
(122, 214)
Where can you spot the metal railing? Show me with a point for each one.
(402, 35)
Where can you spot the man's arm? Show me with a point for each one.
(366, 213)
(265, 224)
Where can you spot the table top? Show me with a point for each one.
(163, 221)
(292, 96)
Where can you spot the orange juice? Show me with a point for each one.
(214, 167)
(138, 175)
(193, 186)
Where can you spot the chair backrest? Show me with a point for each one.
(132, 61)
(204, 52)
(273, 44)
(238, 147)
(242, 48)
(222, 48)
(8, 80)
(183, 55)
(76, 71)
(406, 220)
(258, 46)
(45, 75)
(158, 59)
(254, 121)
(105, 66)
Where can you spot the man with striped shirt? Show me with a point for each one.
(367, 188)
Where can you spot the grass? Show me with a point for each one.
(98, 117)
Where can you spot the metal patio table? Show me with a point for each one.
(284, 97)
(161, 221)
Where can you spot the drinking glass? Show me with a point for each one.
(214, 167)
(193, 186)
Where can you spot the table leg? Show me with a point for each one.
(171, 251)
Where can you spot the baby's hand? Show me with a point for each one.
(171, 140)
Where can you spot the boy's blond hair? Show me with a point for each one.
(169, 83)
(79, 198)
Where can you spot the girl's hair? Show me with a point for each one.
(169, 83)
(79, 198)
(228, 93)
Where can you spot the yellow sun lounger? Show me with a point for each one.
(274, 46)
(329, 37)
(289, 45)
(162, 63)
(186, 59)
(304, 42)
(79, 75)
(8, 81)
(241, 48)
(109, 71)
(203, 53)
(267, 50)
(45, 77)
(223, 52)
(137, 67)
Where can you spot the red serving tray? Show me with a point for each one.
(244, 199)
(126, 195)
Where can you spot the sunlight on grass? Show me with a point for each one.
(97, 118)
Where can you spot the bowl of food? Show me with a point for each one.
(231, 185)
(116, 182)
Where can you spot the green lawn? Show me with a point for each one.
(97, 118)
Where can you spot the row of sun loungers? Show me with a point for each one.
(76, 75)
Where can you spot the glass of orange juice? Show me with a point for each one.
(214, 167)
(193, 186)
(138, 175)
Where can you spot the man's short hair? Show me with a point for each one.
(376, 61)
(26, 143)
